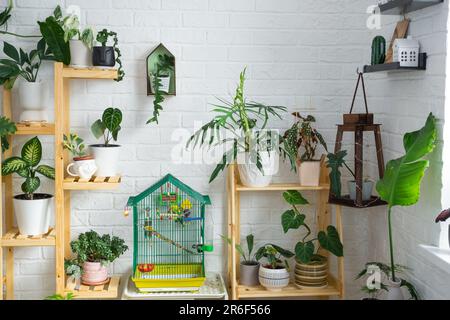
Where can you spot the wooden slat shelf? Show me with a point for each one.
(398, 7)
(13, 238)
(109, 290)
(290, 291)
(283, 187)
(24, 128)
(89, 73)
(95, 183)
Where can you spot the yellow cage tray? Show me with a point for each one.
(170, 276)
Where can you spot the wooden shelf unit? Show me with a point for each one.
(95, 183)
(234, 190)
(13, 238)
(35, 129)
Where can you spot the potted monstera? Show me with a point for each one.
(311, 268)
(106, 154)
(32, 209)
(274, 273)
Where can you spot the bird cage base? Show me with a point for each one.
(347, 202)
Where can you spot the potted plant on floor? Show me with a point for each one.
(80, 42)
(105, 56)
(93, 253)
(249, 266)
(7, 127)
(32, 209)
(254, 148)
(311, 268)
(274, 274)
(107, 155)
(83, 164)
(303, 135)
(400, 185)
(442, 217)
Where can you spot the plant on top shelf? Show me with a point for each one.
(83, 164)
(302, 135)
(274, 275)
(245, 134)
(161, 83)
(306, 252)
(7, 127)
(400, 185)
(105, 55)
(31, 208)
(93, 252)
(107, 155)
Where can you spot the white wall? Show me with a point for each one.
(294, 50)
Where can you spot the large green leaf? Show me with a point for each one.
(294, 197)
(32, 151)
(11, 52)
(53, 34)
(250, 241)
(285, 253)
(13, 164)
(98, 128)
(330, 241)
(31, 184)
(46, 171)
(304, 251)
(401, 182)
(112, 117)
(291, 220)
(8, 70)
(335, 162)
(7, 127)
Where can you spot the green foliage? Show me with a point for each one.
(71, 26)
(74, 144)
(335, 162)
(400, 185)
(102, 37)
(28, 165)
(305, 249)
(245, 122)
(7, 127)
(56, 296)
(274, 254)
(250, 245)
(91, 247)
(108, 126)
(6, 14)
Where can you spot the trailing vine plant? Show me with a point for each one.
(102, 37)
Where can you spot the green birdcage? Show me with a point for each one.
(169, 236)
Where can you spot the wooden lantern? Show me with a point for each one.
(358, 123)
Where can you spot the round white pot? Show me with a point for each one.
(249, 173)
(395, 292)
(366, 190)
(309, 173)
(33, 216)
(273, 279)
(106, 159)
(164, 83)
(80, 54)
(32, 98)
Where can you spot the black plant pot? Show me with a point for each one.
(103, 56)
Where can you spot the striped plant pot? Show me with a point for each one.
(273, 279)
(313, 274)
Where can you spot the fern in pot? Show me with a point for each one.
(32, 209)
(240, 128)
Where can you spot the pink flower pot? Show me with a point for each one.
(94, 273)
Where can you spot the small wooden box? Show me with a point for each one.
(358, 118)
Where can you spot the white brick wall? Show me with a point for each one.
(294, 50)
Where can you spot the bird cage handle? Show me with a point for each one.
(360, 78)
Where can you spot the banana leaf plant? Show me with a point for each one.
(305, 250)
(27, 166)
(7, 127)
(400, 185)
(246, 123)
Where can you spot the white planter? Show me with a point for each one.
(273, 279)
(249, 173)
(106, 159)
(33, 216)
(395, 292)
(80, 54)
(366, 191)
(32, 98)
(309, 173)
(164, 84)
(82, 167)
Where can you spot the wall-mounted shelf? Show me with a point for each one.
(395, 66)
(399, 7)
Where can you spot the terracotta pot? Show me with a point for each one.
(309, 173)
(273, 279)
(313, 274)
(248, 273)
(94, 273)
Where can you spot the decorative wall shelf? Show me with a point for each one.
(13, 238)
(152, 62)
(395, 66)
(399, 7)
(105, 291)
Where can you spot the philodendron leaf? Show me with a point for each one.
(304, 251)
(112, 117)
(285, 253)
(98, 128)
(13, 164)
(11, 52)
(30, 185)
(53, 34)
(331, 241)
(291, 220)
(46, 171)
(294, 197)
(32, 151)
(335, 162)
(401, 182)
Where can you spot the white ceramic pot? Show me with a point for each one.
(249, 173)
(309, 173)
(106, 159)
(33, 216)
(273, 279)
(80, 54)
(164, 83)
(83, 167)
(395, 292)
(32, 98)
(366, 190)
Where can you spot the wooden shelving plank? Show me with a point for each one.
(89, 73)
(24, 128)
(95, 183)
(283, 187)
(398, 7)
(109, 290)
(13, 238)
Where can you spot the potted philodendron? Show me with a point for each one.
(303, 135)
(249, 266)
(32, 209)
(311, 268)
(83, 164)
(105, 56)
(80, 42)
(246, 139)
(442, 217)
(93, 253)
(106, 154)
(400, 185)
(274, 274)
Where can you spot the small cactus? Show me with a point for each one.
(378, 50)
